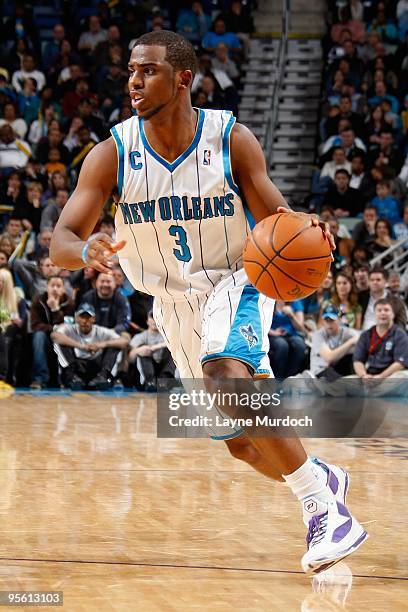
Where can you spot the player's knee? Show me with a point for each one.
(225, 368)
(243, 450)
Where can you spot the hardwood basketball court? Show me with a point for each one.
(94, 505)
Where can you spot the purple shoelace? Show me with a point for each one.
(317, 529)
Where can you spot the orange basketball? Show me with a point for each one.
(286, 258)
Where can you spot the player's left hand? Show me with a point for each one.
(314, 220)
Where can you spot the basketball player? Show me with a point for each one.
(191, 185)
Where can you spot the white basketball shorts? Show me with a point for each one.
(232, 321)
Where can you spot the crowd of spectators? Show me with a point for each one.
(357, 320)
(59, 96)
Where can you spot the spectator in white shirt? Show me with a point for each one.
(338, 162)
(28, 71)
(14, 153)
(10, 117)
(89, 39)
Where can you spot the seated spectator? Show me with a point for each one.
(54, 163)
(394, 284)
(101, 54)
(112, 86)
(14, 153)
(401, 229)
(386, 206)
(386, 153)
(392, 119)
(82, 281)
(331, 353)
(219, 35)
(10, 117)
(34, 277)
(347, 141)
(12, 192)
(39, 127)
(353, 26)
(339, 161)
(386, 29)
(6, 246)
(152, 356)
(376, 124)
(222, 62)
(3, 259)
(51, 212)
(344, 246)
(193, 23)
(13, 231)
(57, 180)
(345, 201)
(28, 71)
(361, 280)
(378, 278)
(381, 241)
(72, 97)
(239, 21)
(29, 101)
(52, 141)
(357, 171)
(381, 94)
(111, 307)
(345, 112)
(51, 48)
(344, 298)
(364, 231)
(42, 245)
(85, 144)
(94, 35)
(381, 352)
(13, 327)
(48, 309)
(29, 211)
(87, 353)
(287, 352)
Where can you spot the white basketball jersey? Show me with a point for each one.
(184, 222)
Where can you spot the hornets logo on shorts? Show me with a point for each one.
(249, 335)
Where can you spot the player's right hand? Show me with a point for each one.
(100, 251)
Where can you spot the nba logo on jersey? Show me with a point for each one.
(207, 157)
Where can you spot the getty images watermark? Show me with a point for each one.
(227, 408)
(214, 402)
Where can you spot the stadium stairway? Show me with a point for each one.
(293, 153)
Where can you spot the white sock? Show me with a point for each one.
(310, 480)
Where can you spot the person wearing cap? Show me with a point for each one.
(48, 308)
(332, 345)
(87, 353)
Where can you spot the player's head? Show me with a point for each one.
(162, 66)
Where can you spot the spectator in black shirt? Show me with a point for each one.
(386, 153)
(345, 201)
(111, 307)
(364, 230)
(356, 120)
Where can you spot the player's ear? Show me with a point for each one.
(185, 79)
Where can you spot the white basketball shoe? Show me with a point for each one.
(333, 533)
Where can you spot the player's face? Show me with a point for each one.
(152, 80)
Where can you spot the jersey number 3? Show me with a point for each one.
(183, 253)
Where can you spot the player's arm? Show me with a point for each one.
(250, 173)
(81, 213)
